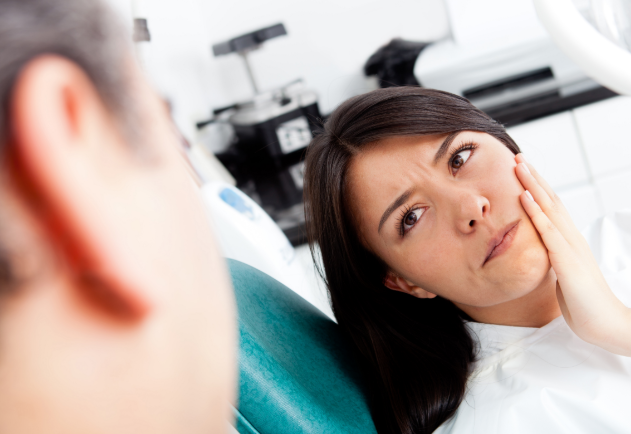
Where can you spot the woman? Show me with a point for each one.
(423, 210)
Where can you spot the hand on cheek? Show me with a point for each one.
(588, 305)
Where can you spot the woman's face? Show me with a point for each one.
(443, 212)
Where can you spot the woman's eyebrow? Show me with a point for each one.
(405, 195)
(445, 146)
(394, 205)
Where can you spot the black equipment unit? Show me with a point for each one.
(272, 132)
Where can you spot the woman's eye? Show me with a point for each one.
(460, 158)
(412, 217)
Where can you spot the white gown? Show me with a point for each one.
(546, 380)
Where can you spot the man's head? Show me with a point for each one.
(115, 309)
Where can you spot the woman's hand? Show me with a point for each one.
(589, 306)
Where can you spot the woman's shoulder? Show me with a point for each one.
(550, 372)
(495, 343)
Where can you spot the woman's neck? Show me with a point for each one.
(535, 309)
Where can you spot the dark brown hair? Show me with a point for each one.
(417, 353)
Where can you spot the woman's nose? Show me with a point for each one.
(471, 210)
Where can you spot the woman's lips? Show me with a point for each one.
(502, 242)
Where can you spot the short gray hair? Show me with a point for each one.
(83, 31)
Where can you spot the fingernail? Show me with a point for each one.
(525, 167)
(529, 195)
(523, 158)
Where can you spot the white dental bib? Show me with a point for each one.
(547, 380)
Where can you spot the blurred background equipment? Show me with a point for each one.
(501, 59)
(393, 64)
(595, 34)
(246, 233)
(141, 31)
(271, 133)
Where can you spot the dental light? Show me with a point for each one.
(600, 48)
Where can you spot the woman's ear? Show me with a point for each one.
(397, 283)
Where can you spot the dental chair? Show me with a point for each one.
(297, 374)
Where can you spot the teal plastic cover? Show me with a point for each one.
(297, 373)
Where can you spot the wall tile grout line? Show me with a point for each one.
(590, 173)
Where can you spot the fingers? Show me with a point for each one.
(546, 187)
(556, 243)
(545, 197)
(520, 158)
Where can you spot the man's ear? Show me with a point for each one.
(397, 283)
(63, 144)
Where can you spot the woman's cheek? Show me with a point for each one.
(425, 266)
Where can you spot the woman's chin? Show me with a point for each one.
(519, 270)
(529, 269)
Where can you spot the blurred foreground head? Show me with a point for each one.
(115, 309)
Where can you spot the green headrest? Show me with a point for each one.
(297, 374)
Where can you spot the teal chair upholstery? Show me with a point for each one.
(297, 374)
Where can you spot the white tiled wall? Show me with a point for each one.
(583, 204)
(615, 190)
(604, 129)
(552, 145)
(585, 155)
